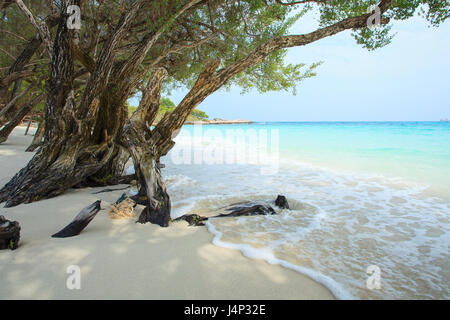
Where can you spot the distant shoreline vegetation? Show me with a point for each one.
(167, 105)
(196, 116)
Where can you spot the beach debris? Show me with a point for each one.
(80, 222)
(121, 198)
(123, 208)
(192, 219)
(282, 202)
(240, 209)
(9, 234)
(236, 211)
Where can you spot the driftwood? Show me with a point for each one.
(80, 222)
(192, 219)
(9, 234)
(121, 198)
(255, 210)
(237, 210)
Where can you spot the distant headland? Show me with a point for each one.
(219, 121)
(196, 116)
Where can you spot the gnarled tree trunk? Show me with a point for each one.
(66, 156)
(77, 144)
(138, 140)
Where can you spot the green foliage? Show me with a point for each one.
(166, 105)
(245, 25)
(274, 75)
(434, 11)
(233, 28)
(372, 39)
(241, 27)
(201, 115)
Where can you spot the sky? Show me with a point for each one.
(408, 80)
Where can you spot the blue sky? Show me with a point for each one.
(408, 80)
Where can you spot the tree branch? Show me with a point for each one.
(210, 80)
(149, 39)
(42, 29)
(149, 104)
(102, 71)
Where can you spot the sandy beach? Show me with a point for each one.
(120, 259)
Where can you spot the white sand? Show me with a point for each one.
(120, 259)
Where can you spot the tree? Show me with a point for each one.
(153, 46)
(200, 114)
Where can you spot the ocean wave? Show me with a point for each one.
(338, 225)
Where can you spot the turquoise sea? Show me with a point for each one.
(362, 194)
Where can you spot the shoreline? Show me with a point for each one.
(221, 121)
(217, 121)
(120, 259)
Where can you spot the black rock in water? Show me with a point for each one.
(9, 234)
(80, 222)
(282, 202)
